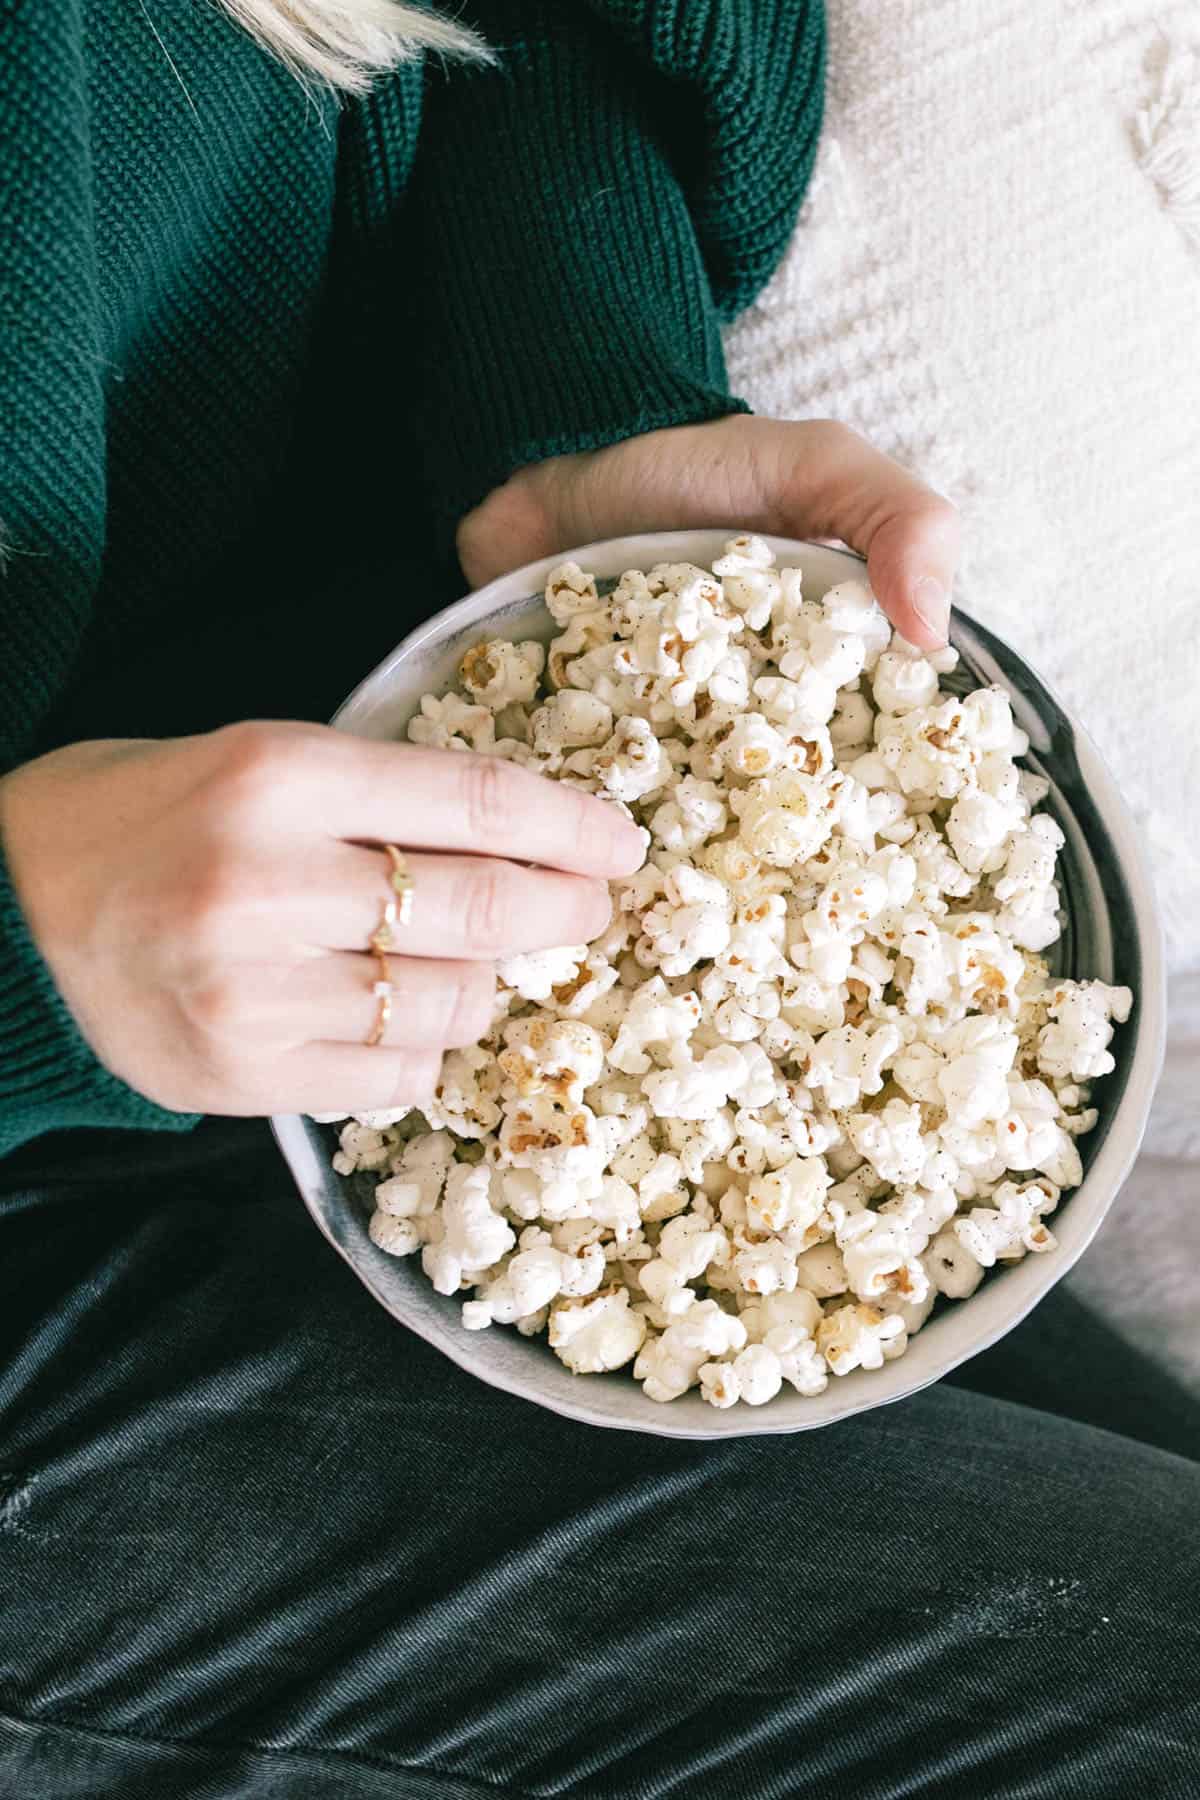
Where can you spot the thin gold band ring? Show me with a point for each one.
(383, 991)
(397, 910)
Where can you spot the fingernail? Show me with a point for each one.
(631, 851)
(931, 603)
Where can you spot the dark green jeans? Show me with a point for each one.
(258, 1542)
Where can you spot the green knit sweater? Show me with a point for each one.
(259, 351)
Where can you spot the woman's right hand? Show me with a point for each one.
(205, 904)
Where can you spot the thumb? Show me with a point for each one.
(834, 484)
(911, 559)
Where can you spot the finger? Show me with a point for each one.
(451, 800)
(265, 905)
(837, 485)
(352, 1078)
(462, 906)
(332, 999)
(911, 561)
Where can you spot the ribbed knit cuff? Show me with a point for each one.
(560, 295)
(50, 1078)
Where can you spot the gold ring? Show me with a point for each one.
(381, 938)
(402, 883)
(383, 990)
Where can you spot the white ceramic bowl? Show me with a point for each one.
(1112, 931)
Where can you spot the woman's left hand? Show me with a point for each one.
(815, 479)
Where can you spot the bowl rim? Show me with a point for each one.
(1112, 1162)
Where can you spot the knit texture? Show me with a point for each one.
(259, 352)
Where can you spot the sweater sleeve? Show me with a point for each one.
(52, 507)
(585, 214)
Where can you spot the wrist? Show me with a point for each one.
(715, 472)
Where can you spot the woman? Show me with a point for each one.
(284, 361)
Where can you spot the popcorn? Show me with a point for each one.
(860, 1337)
(474, 1235)
(361, 1147)
(903, 679)
(792, 1196)
(1075, 1043)
(697, 1143)
(880, 1257)
(631, 763)
(798, 707)
(569, 720)
(451, 724)
(499, 674)
(754, 1375)
(973, 1078)
(465, 1097)
(785, 818)
(990, 722)
(592, 1336)
(570, 592)
(754, 952)
(821, 1271)
(850, 726)
(690, 924)
(929, 750)
(583, 1273)
(851, 607)
(1009, 1227)
(836, 655)
(800, 1361)
(615, 1208)
(753, 747)
(686, 1247)
(1026, 888)
(920, 1213)
(534, 1278)
(891, 1140)
(582, 994)
(938, 873)
(696, 1090)
(765, 1268)
(660, 1190)
(984, 970)
(374, 1121)
(536, 974)
(849, 1063)
(739, 1015)
(979, 828)
(951, 1267)
(913, 1314)
(750, 582)
(799, 1312)
(557, 1056)
(531, 1279)
(416, 1183)
(657, 1021)
(813, 1079)
(669, 1365)
(695, 813)
(399, 1237)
